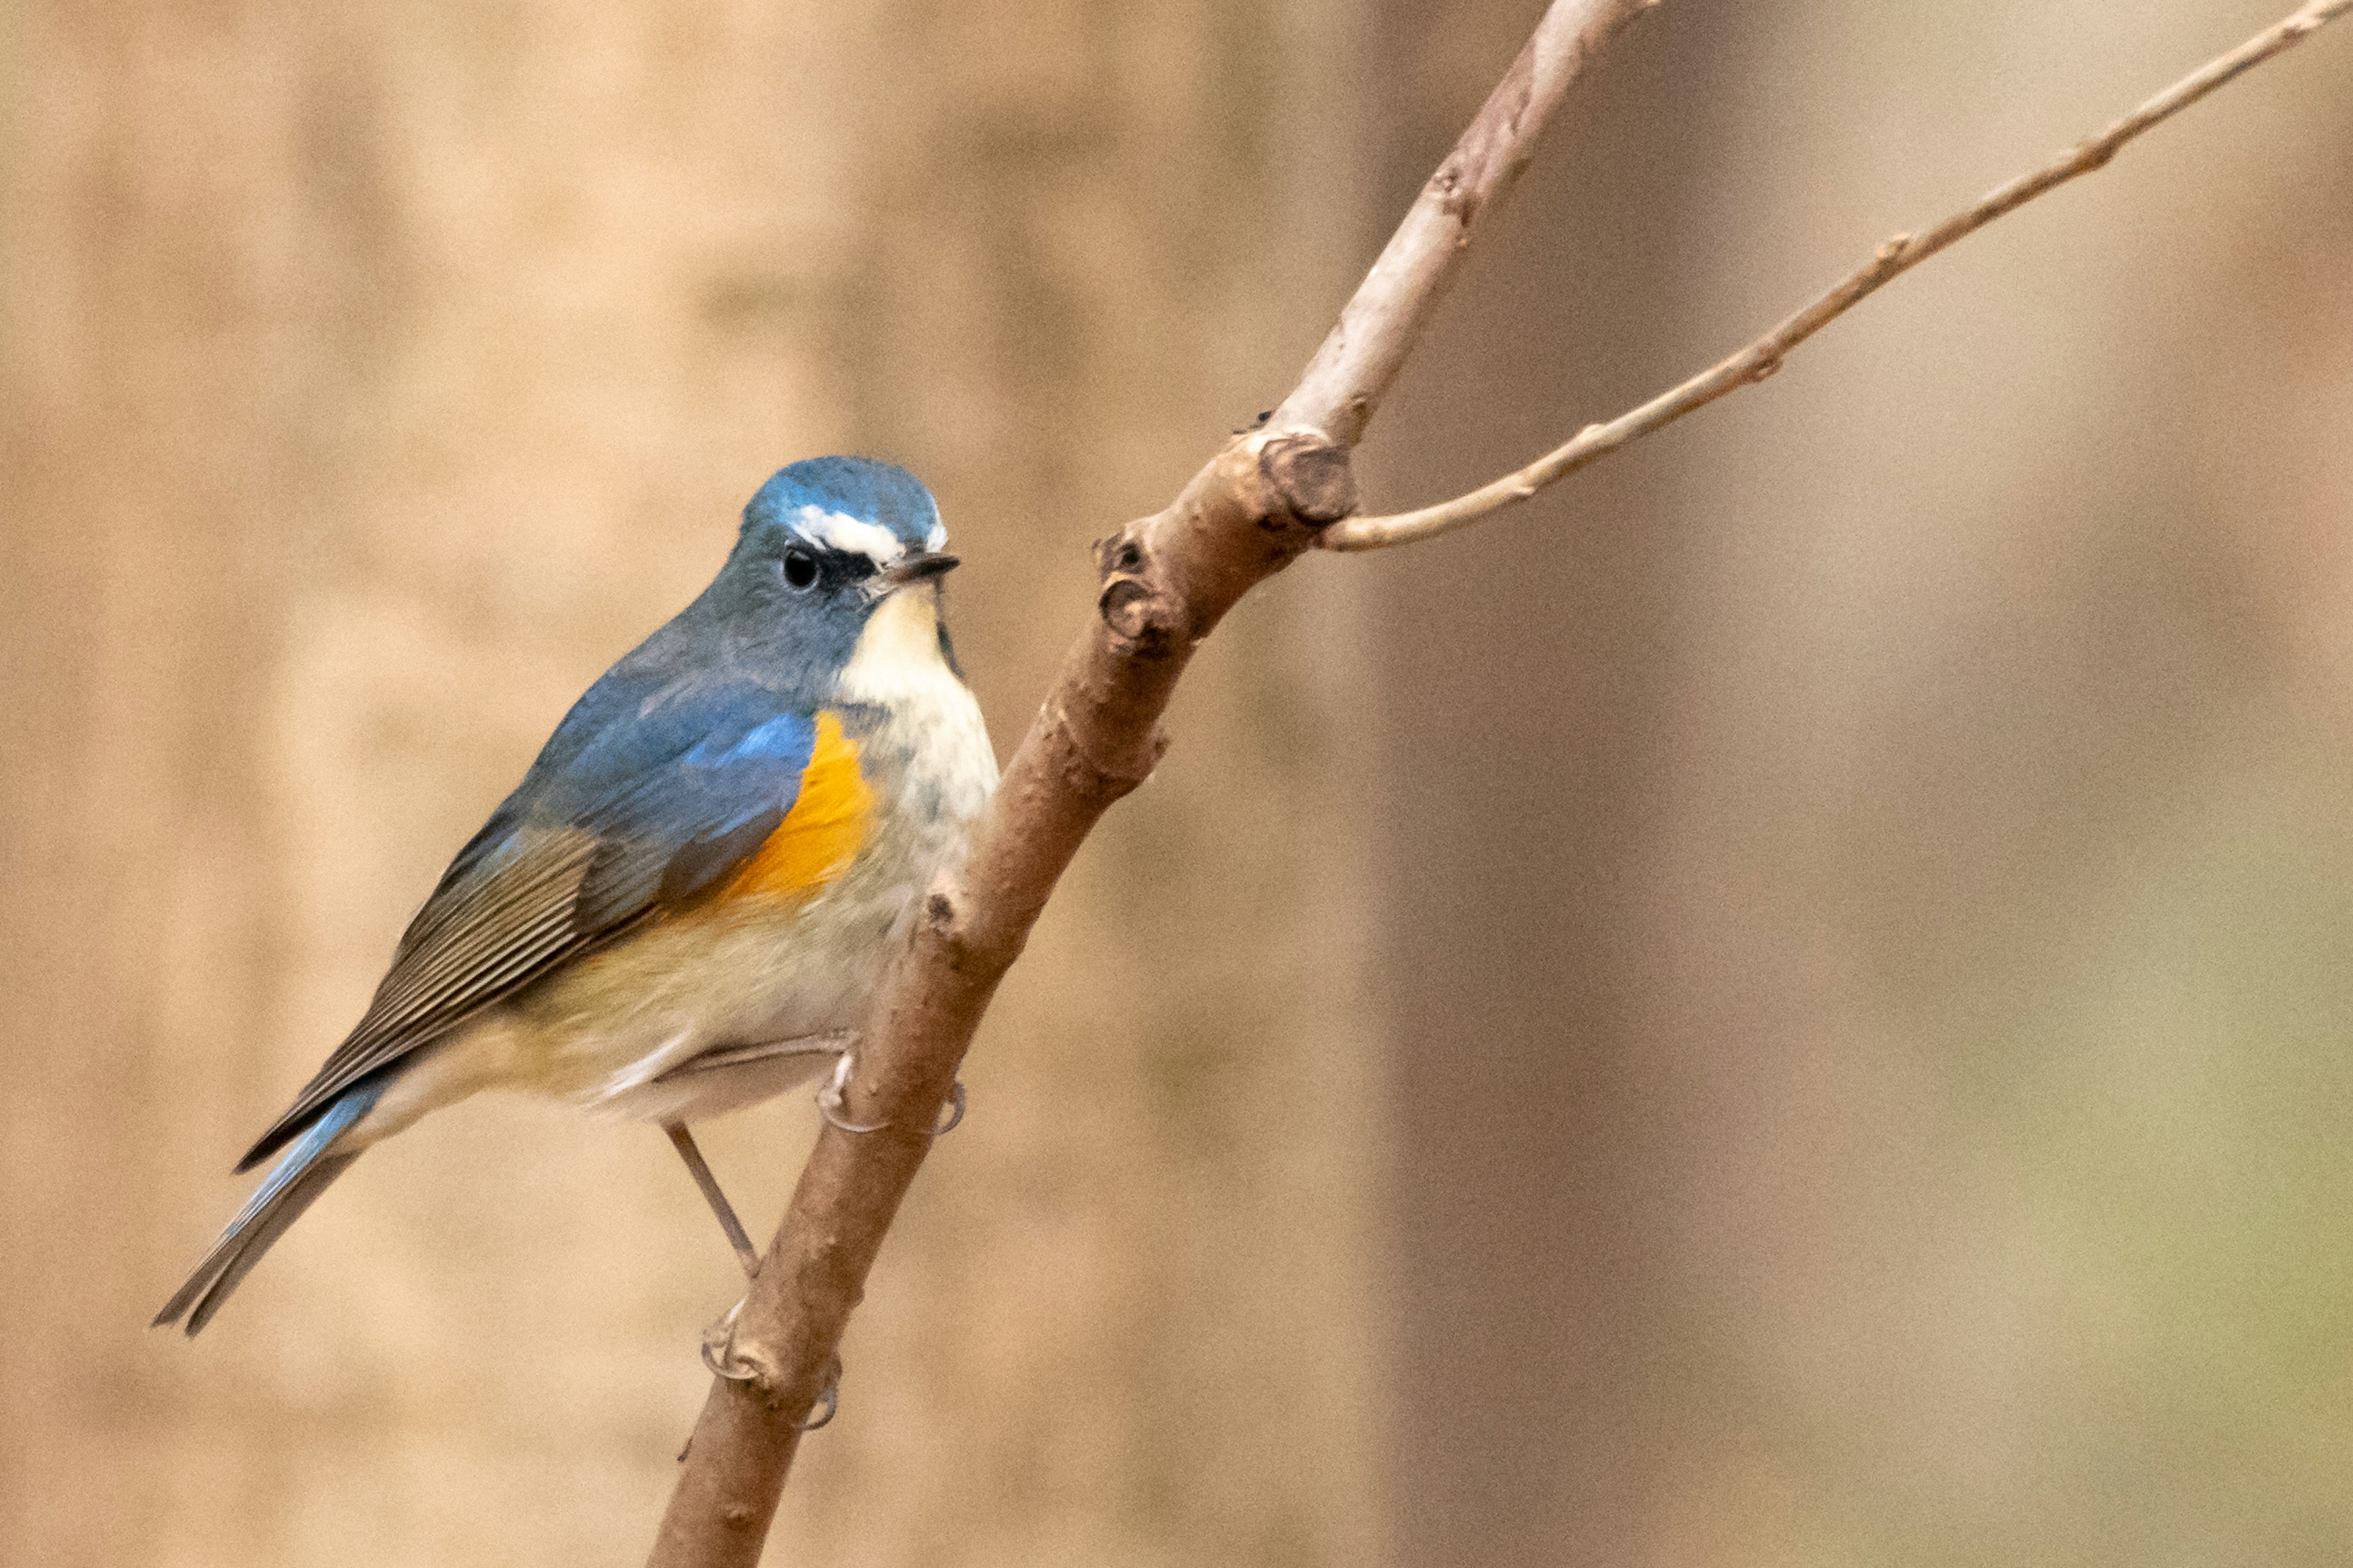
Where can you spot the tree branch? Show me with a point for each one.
(1763, 357)
(1166, 582)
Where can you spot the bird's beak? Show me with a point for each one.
(921, 566)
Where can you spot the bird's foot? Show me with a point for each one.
(719, 1356)
(830, 1106)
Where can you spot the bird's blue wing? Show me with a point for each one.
(646, 796)
(668, 829)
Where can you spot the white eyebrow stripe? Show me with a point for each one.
(839, 531)
(938, 538)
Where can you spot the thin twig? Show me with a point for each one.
(1345, 382)
(1168, 580)
(1763, 357)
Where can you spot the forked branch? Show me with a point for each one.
(1763, 357)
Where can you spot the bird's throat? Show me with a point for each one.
(898, 655)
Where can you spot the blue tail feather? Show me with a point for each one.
(305, 1172)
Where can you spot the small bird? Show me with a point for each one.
(684, 906)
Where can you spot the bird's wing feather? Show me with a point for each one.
(662, 800)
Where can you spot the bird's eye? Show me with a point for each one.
(800, 568)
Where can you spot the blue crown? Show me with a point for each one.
(862, 488)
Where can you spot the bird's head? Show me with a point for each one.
(836, 569)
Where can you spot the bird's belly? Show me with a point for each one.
(605, 1031)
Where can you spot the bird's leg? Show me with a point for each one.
(683, 1142)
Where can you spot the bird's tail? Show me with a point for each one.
(290, 1188)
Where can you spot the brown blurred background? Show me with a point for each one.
(1787, 1003)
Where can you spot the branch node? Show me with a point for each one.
(1456, 198)
(1130, 603)
(943, 926)
(1310, 474)
(1123, 551)
(1137, 616)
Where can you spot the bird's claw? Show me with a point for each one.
(830, 1105)
(719, 1356)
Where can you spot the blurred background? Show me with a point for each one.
(1784, 1004)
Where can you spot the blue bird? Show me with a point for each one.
(684, 906)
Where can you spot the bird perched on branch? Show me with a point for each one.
(683, 907)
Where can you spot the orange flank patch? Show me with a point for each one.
(822, 832)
